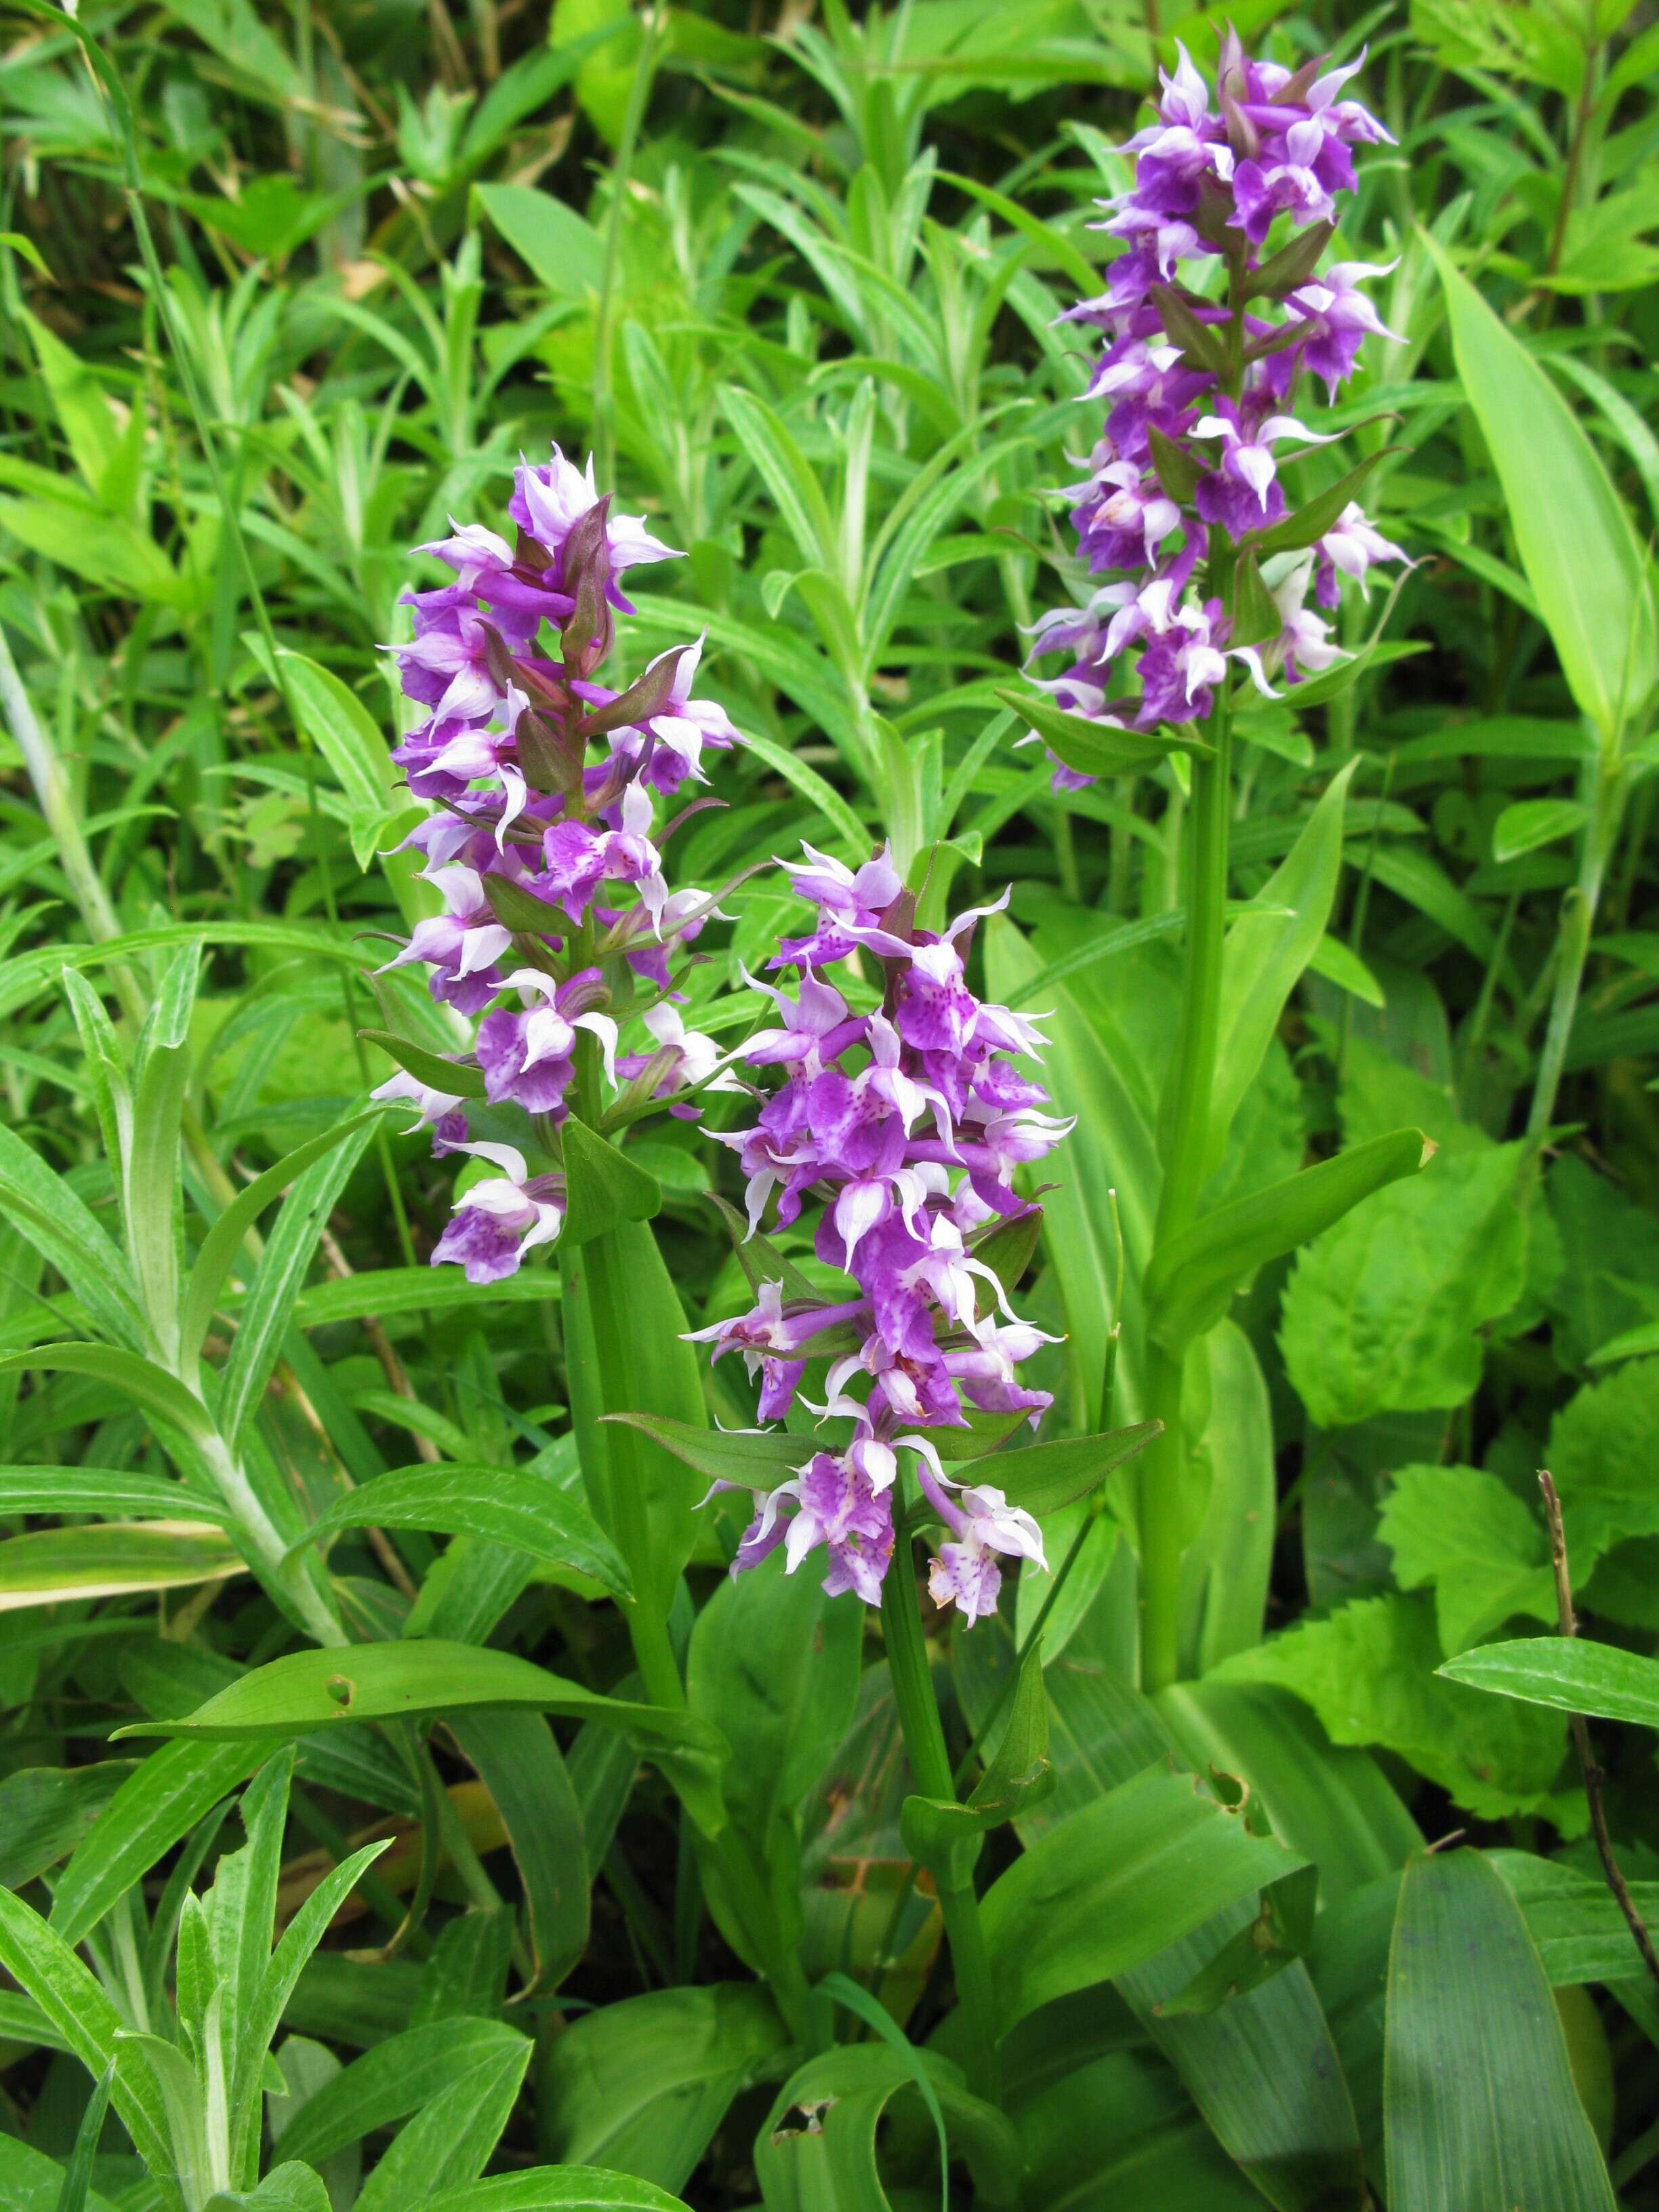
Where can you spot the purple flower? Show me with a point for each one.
(462, 945)
(526, 1055)
(1351, 546)
(1337, 318)
(501, 1218)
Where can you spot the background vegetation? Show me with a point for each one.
(310, 287)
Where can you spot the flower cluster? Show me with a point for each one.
(1198, 390)
(903, 1126)
(542, 842)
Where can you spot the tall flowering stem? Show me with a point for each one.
(1210, 563)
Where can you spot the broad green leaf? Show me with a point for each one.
(1225, 1570)
(103, 1490)
(1116, 1883)
(1369, 1672)
(43, 1964)
(605, 1187)
(56, 1566)
(565, 252)
(1568, 1673)
(1264, 955)
(625, 1352)
(639, 2086)
(1573, 1918)
(1466, 1534)
(519, 1761)
(1480, 2108)
(1328, 1802)
(344, 730)
(761, 1459)
(506, 1506)
(32, 2182)
(1194, 1273)
(1531, 823)
(1573, 531)
(1382, 1313)
(315, 1691)
(1602, 1444)
(846, 2091)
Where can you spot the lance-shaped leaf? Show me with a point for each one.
(557, 2188)
(41, 1205)
(1569, 1673)
(1204, 345)
(1292, 265)
(520, 1764)
(1193, 1277)
(149, 1388)
(56, 1566)
(1043, 1478)
(426, 1066)
(337, 723)
(1178, 468)
(1573, 531)
(605, 1187)
(817, 2148)
(224, 1240)
(1256, 617)
(103, 1490)
(1308, 523)
(517, 908)
(759, 1461)
(1096, 748)
(647, 695)
(505, 1506)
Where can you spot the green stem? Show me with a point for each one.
(1185, 1137)
(1606, 798)
(930, 1768)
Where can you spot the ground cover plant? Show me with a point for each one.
(827, 965)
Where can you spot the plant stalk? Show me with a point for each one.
(1185, 1134)
(930, 1768)
(1606, 797)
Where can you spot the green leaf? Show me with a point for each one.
(639, 2086)
(67, 1234)
(159, 1801)
(817, 2148)
(1602, 1449)
(288, 2188)
(1045, 1478)
(1568, 1673)
(1466, 1534)
(103, 1490)
(625, 1349)
(760, 1459)
(1531, 823)
(56, 1566)
(519, 1762)
(393, 2080)
(220, 1247)
(605, 1187)
(506, 1506)
(1312, 521)
(1573, 531)
(42, 1963)
(1367, 1671)
(556, 2188)
(1116, 1883)
(1226, 1568)
(1383, 1312)
(1194, 1274)
(317, 1690)
(46, 1811)
(566, 253)
(268, 1313)
(1573, 1917)
(1480, 2108)
(148, 1387)
(1265, 954)
(786, 472)
(427, 1067)
(1096, 748)
(449, 2142)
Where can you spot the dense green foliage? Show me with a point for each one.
(476, 1909)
